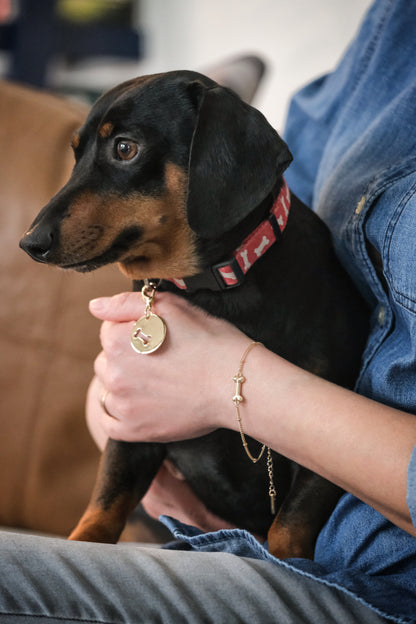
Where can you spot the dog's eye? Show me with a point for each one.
(125, 149)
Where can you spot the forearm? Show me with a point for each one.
(359, 444)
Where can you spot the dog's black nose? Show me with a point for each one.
(38, 244)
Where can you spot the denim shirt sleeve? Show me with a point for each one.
(411, 486)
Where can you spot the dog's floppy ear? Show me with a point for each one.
(235, 160)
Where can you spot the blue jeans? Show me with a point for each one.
(47, 580)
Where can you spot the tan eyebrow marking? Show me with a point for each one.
(75, 140)
(106, 129)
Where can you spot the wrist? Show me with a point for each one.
(270, 383)
(245, 359)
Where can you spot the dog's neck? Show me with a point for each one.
(230, 272)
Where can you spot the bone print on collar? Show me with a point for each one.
(231, 272)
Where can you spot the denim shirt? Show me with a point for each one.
(353, 137)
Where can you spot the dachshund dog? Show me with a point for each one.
(177, 179)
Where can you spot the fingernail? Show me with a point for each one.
(97, 304)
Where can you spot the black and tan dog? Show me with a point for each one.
(177, 179)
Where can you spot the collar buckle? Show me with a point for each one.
(228, 273)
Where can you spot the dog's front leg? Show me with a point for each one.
(304, 511)
(125, 473)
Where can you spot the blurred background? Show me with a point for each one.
(82, 47)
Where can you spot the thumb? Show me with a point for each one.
(127, 306)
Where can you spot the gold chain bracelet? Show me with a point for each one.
(238, 398)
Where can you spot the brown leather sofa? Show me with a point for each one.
(48, 340)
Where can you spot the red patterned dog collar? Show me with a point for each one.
(231, 272)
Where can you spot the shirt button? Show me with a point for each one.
(381, 317)
(360, 205)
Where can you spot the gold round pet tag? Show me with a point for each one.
(148, 334)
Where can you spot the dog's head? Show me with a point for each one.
(161, 162)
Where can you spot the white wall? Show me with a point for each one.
(299, 39)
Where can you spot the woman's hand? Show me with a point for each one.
(181, 391)
(171, 495)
